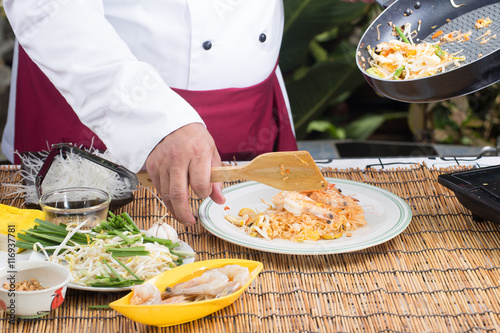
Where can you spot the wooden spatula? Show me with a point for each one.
(289, 171)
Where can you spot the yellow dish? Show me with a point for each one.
(162, 315)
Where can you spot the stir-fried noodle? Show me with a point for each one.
(303, 216)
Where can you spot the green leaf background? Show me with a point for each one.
(318, 55)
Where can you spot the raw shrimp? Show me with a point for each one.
(176, 299)
(146, 294)
(216, 282)
(230, 288)
(297, 204)
(212, 282)
(236, 273)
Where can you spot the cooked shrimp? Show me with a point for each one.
(297, 204)
(330, 197)
(279, 198)
(145, 294)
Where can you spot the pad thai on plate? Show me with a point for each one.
(385, 213)
(303, 216)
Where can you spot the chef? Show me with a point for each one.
(171, 86)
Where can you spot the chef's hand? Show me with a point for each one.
(182, 158)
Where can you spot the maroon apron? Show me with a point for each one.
(244, 122)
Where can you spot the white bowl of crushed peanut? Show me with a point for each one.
(32, 289)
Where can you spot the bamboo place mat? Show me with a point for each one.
(442, 274)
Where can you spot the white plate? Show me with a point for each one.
(31, 255)
(387, 215)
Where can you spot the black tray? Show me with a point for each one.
(478, 190)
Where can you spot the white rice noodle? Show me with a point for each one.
(69, 171)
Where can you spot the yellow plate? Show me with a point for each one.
(162, 315)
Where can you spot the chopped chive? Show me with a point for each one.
(126, 249)
(398, 72)
(126, 268)
(162, 241)
(439, 52)
(374, 72)
(99, 307)
(118, 284)
(122, 236)
(113, 270)
(130, 254)
(401, 34)
(131, 222)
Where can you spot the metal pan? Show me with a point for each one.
(480, 69)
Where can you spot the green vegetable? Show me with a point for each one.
(130, 222)
(99, 307)
(401, 34)
(127, 269)
(398, 72)
(121, 235)
(118, 276)
(373, 71)
(47, 234)
(126, 249)
(117, 282)
(121, 222)
(51, 235)
(114, 283)
(165, 242)
(129, 254)
(439, 52)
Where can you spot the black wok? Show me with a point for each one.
(480, 69)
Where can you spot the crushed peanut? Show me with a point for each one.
(28, 285)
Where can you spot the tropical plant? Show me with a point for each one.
(472, 120)
(318, 57)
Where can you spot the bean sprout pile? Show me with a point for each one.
(92, 263)
(113, 254)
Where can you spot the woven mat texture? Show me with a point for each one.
(442, 274)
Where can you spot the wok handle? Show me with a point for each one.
(385, 3)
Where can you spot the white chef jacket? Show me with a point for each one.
(114, 61)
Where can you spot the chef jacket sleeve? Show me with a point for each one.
(123, 100)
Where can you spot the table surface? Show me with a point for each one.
(441, 274)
